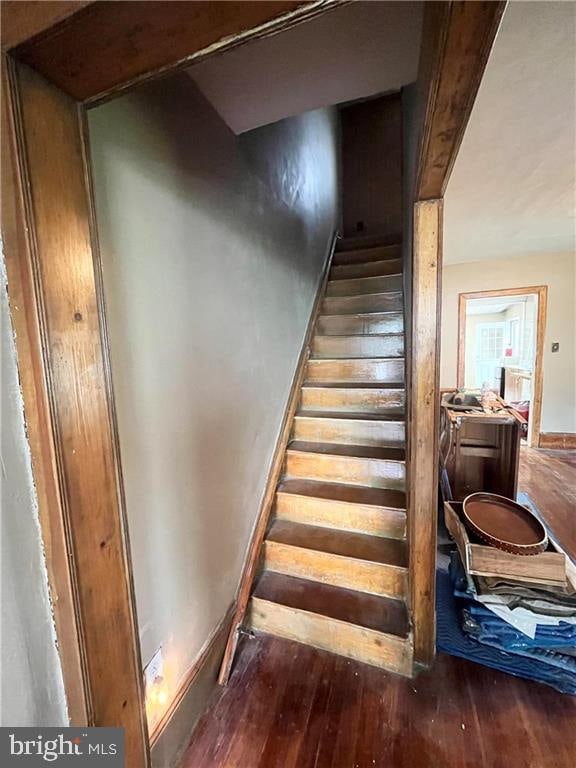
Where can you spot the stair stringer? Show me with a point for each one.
(255, 548)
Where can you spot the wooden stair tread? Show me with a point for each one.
(375, 313)
(360, 251)
(357, 346)
(376, 240)
(387, 453)
(353, 385)
(358, 335)
(381, 614)
(358, 546)
(371, 268)
(354, 243)
(351, 494)
(361, 323)
(359, 361)
(344, 370)
(373, 401)
(364, 286)
(363, 303)
(394, 416)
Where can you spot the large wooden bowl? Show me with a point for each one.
(504, 524)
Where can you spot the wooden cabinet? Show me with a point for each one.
(480, 451)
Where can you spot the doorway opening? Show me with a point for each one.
(500, 347)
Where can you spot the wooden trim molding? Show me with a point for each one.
(214, 646)
(29, 325)
(541, 291)
(254, 548)
(563, 440)
(72, 373)
(424, 425)
(89, 57)
(457, 39)
(25, 19)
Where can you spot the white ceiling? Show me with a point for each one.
(494, 305)
(512, 190)
(351, 52)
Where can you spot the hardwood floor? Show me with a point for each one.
(288, 705)
(549, 478)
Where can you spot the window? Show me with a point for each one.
(513, 346)
(490, 341)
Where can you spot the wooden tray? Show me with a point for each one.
(552, 567)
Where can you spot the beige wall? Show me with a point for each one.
(31, 687)
(212, 247)
(558, 272)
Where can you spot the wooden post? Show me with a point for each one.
(424, 420)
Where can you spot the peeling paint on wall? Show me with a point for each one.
(32, 688)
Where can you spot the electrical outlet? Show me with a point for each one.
(154, 669)
(555, 346)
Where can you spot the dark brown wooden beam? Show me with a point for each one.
(457, 40)
(111, 45)
(23, 20)
(424, 419)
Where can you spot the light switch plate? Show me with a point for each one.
(154, 668)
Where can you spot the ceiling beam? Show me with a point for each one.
(23, 20)
(113, 45)
(457, 40)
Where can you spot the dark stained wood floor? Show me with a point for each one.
(549, 478)
(291, 706)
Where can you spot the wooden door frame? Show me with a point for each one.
(57, 303)
(541, 291)
(457, 38)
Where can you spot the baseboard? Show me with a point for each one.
(171, 735)
(557, 440)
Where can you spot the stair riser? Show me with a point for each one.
(348, 431)
(342, 325)
(339, 571)
(370, 269)
(391, 301)
(349, 470)
(353, 400)
(357, 346)
(340, 515)
(365, 645)
(363, 255)
(364, 285)
(362, 371)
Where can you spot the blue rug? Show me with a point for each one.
(540, 665)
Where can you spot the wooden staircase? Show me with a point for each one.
(333, 566)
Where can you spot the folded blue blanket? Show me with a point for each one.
(544, 666)
(486, 626)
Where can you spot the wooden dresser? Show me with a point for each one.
(479, 451)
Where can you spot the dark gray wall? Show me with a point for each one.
(212, 248)
(372, 168)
